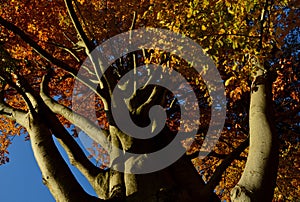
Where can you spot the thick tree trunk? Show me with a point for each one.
(56, 174)
(178, 182)
(259, 177)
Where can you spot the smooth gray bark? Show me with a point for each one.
(259, 177)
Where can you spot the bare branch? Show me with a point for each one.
(69, 50)
(89, 47)
(90, 128)
(86, 42)
(76, 156)
(75, 153)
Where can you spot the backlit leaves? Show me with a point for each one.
(230, 31)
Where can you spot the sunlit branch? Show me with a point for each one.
(27, 97)
(12, 113)
(83, 123)
(89, 47)
(66, 49)
(75, 153)
(86, 42)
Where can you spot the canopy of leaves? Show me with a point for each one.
(233, 32)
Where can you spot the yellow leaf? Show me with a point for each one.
(222, 31)
(158, 15)
(229, 81)
(230, 11)
(203, 27)
(81, 1)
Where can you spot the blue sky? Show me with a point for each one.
(21, 179)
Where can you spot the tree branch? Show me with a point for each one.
(19, 89)
(13, 114)
(86, 42)
(94, 175)
(83, 123)
(259, 176)
(8, 74)
(48, 56)
(89, 47)
(76, 155)
(262, 21)
(69, 50)
(57, 176)
(217, 176)
(36, 47)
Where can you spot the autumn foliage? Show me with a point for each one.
(39, 38)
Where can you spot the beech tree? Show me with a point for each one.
(47, 50)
